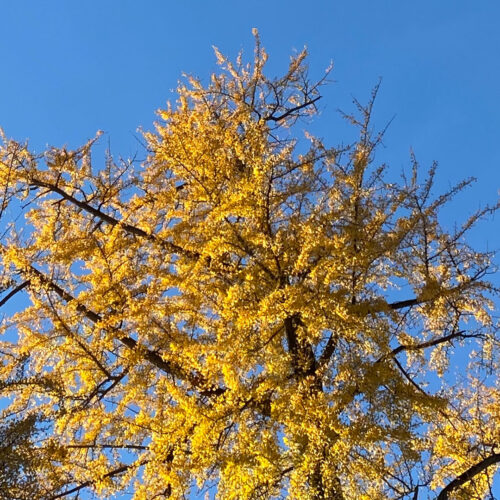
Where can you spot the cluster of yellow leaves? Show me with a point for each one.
(234, 312)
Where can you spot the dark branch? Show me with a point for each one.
(407, 376)
(107, 446)
(415, 495)
(420, 300)
(11, 294)
(86, 484)
(172, 247)
(406, 303)
(423, 345)
(328, 351)
(292, 110)
(469, 474)
(153, 357)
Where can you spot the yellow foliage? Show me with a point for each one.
(246, 308)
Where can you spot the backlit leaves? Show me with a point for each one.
(247, 308)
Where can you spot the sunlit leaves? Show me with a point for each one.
(247, 308)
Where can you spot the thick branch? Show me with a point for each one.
(407, 303)
(328, 350)
(469, 474)
(291, 338)
(303, 360)
(415, 495)
(151, 356)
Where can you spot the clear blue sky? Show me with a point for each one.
(71, 68)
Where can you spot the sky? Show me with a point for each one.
(71, 68)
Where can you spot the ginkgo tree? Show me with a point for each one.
(247, 312)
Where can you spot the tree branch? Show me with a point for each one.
(172, 247)
(153, 357)
(406, 303)
(468, 475)
(291, 111)
(107, 446)
(86, 484)
(415, 495)
(11, 294)
(328, 350)
(422, 300)
(407, 376)
(423, 345)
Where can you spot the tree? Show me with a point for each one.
(259, 313)
(18, 459)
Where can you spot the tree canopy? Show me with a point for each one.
(247, 311)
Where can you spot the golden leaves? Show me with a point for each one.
(244, 307)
